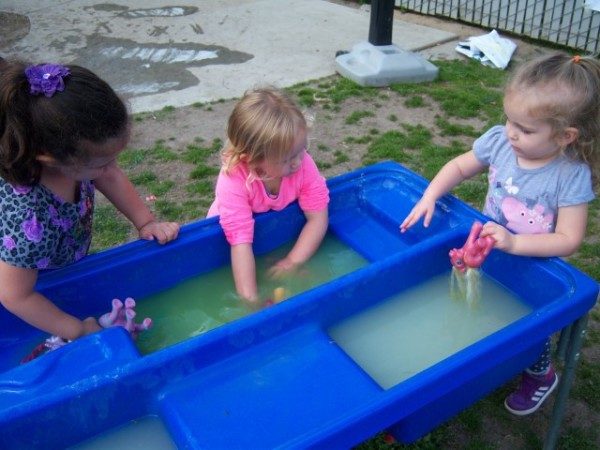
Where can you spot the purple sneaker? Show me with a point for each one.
(532, 392)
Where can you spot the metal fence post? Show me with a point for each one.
(382, 20)
(577, 331)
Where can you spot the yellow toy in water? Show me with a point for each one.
(465, 281)
(279, 294)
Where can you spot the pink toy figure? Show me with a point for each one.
(465, 280)
(121, 315)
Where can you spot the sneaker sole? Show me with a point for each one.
(537, 405)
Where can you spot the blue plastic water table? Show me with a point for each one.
(276, 379)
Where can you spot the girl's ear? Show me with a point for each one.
(568, 136)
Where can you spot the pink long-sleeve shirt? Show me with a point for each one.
(236, 199)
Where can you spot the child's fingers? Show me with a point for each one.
(282, 268)
(410, 220)
(405, 225)
(164, 235)
(428, 217)
(147, 232)
(502, 237)
(488, 224)
(275, 272)
(171, 230)
(408, 224)
(489, 229)
(163, 232)
(148, 236)
(415, 215)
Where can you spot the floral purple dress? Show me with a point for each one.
(39, 230)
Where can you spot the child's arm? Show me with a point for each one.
(307, 244)
(117, 188)
(453, 173)
(243, 267)
(566, 239)
(18, 296)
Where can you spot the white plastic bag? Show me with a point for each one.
(594, 5)
(491, 49)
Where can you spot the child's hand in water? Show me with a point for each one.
(282, 267)
(504, 238)
(163, 232)
(424, 207)
(253, 304)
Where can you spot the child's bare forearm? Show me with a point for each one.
(563, 241)
(452, 174)
(18, 295)
(120, 191)
(544, 245)
(243, 267)
(310, 237)
(38, 311)
(117, 188)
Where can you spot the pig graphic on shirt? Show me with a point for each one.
(524, 220)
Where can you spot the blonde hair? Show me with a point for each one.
(263, 126)
(564, 91)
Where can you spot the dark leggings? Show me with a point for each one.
(541, 366)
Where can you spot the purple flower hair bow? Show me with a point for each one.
(46, 78)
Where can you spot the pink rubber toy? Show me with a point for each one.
(123, 315)
(473, 253)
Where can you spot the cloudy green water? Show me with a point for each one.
(416, 329)
(200, 304)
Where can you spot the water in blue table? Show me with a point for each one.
(414, 330)
(209, 300)
(145, 433)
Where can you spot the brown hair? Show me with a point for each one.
(565, 91)
(87, 109)
(262, 126)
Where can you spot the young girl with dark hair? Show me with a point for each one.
(61, 130)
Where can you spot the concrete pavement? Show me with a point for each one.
(156, 53)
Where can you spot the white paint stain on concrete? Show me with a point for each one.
(174, 11)
(155, 55)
